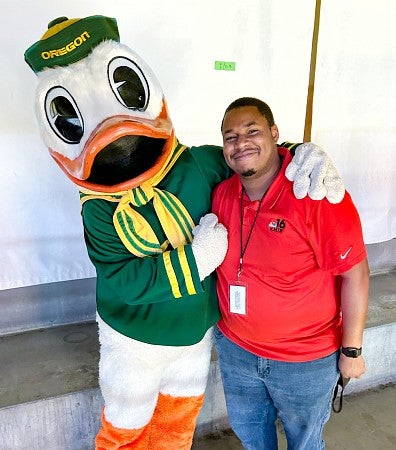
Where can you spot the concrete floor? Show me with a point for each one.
(366, 422)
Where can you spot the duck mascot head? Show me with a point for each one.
(103, 116)
(101, 110)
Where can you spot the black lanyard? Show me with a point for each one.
(241, 247)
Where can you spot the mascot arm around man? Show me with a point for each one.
(105, 121)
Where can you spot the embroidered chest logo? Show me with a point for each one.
(277, 225)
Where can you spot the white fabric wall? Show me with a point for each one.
(41, 237)
(355, 105)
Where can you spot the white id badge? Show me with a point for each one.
(238, 293)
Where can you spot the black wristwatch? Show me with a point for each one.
(351, 352)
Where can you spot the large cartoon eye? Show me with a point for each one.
(63, 115)
(128, 83)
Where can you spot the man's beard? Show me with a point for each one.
(248, 173)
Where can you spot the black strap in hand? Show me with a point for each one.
(341, 383)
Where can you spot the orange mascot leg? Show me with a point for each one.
(173, 423)
(113, 438)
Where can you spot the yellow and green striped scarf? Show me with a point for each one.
(134, 231)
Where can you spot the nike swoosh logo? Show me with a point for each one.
(344, 255)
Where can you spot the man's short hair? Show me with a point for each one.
(261, 106)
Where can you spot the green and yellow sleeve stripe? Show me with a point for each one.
(181, 271)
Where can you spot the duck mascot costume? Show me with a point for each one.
(103, 116)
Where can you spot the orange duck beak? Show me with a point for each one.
(121, 153)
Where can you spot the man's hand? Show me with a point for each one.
(314, 174)
(351, 367)
(209, 245)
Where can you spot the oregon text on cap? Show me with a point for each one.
(70, 40)
(68, 48)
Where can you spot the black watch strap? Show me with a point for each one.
(351, 352)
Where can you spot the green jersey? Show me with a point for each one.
(136, 296)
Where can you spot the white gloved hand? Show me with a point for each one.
(209, 245)
(314, 174)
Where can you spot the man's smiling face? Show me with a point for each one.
(249, 143)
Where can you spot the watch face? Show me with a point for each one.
(351, 352)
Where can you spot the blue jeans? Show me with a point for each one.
(258, 390)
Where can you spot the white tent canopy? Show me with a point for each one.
(270, 43)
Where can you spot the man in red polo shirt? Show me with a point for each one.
(293, 289)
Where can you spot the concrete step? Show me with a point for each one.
(49, 396)
(47, 305)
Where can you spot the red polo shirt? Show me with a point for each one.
(290, 266)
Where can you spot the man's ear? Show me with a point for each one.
(275, 133)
